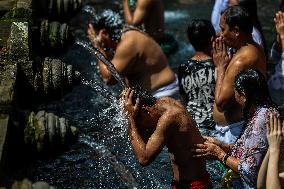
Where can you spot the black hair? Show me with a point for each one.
(110, 21)
(145, 97)
(199, 33)
(251, 7)
(253, 85)
(238, 16)
(281, 6)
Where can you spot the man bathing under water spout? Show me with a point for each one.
(155, 123)
(135, 55)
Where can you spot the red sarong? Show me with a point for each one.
(198, 183)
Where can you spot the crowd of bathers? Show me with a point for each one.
(216, 116)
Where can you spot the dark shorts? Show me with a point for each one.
(199, 183)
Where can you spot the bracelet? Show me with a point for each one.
(224, 159)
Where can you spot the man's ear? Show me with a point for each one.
(243, 97)
(104, 33)
(236, 31)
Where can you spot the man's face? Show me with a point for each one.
(233, 2)
(104, 37)
(227, 34)
(240, 98)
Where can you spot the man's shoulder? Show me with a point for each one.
(250, 51)
(245, 56)
(134, 35)
(171, 105)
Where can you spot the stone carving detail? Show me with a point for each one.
(47, 131)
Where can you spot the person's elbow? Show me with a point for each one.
(144, 161)
(221, 104)
(108, 78)
(134, 22)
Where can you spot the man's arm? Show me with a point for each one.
(145, 152)
(224, 90)
(227, 68)
(137, 17)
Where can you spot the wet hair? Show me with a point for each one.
(281, 6)
(110, 21)
(238, 16)
(199, 33)
(145, 97)
(251, 8)
(253, 85)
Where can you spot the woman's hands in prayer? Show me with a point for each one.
(275, 133)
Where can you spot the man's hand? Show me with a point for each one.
(279, 23)
(275, 133)
(129, 107)
(94, 36)
(221, 57)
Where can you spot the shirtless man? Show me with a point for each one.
(147, 13)
(138, 58)
(155, 123)
(236, 29)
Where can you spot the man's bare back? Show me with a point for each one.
(149, 14)
(135, 55)
(184, 134)
(165, 123)
(144, 62)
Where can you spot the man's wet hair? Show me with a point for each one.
(199, 33)
(281, 6)
(253, 85)
(110, 21)
(145, 97)
(238, 16)
(251, 7)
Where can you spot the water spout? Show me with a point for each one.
(104, 60)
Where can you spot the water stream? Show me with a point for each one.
(102, 58)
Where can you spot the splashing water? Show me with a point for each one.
(120, 169)
(103, 157)
(102, 58)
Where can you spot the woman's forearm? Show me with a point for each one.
(232, 163)
(226, 147)
(273, 182)
(261, 178)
